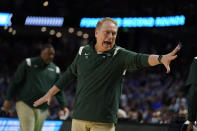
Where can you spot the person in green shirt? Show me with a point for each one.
(99, 69)
(32, 79)
(191, 83)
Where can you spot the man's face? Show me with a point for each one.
(106, 36)
(47, 55)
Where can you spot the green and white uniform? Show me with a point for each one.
(32, 80)
(100, 78)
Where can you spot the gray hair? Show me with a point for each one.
(100, 22)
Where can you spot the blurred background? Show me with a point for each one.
(149, 95)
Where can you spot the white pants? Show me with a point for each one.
(81, 125)
(31, 119)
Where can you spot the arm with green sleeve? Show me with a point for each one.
(192, 95)
(137, 60)
(17, 79)
(133, 61)
(60, 96)
(68, 76)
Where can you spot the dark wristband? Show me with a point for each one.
(159, 58)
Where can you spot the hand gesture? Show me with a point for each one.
(42, 100)
(6, 106)
(166, 59)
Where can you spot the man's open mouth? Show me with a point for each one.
(107, 42)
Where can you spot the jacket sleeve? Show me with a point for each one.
(192, 73)
(191, 83)
(191, 79)
(60, 96)
(192, 107)
(17, 79)
(69, 75)
(132, 60)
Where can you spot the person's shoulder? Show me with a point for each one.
(121, 49)
(33, 59)
(194, 61)
(54, 66)
(124, 52)
(29, 60)
(86, 47)
(193, 65)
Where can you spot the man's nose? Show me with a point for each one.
(51, 56)
(110, 36)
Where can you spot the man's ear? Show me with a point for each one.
(96, 33)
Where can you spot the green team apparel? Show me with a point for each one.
(100, 77)
(191, 83)
(32, 79)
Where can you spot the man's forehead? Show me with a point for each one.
(48, 50)
(109, 25)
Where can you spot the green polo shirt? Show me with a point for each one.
(100, 78)
(32, 79)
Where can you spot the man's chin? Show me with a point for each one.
(107, 49)
(47, 62)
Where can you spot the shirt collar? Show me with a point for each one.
(41, 62)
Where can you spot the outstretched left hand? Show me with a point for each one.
(166, 59)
